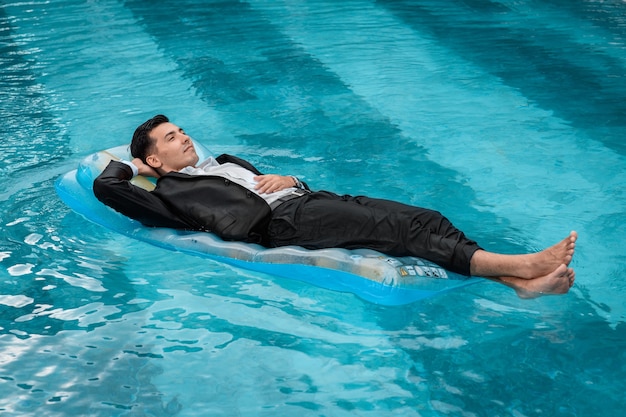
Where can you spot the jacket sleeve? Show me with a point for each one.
(113, 188)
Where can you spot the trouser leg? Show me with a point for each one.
(324, 220)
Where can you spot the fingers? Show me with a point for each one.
(143, 169)
(271, 183)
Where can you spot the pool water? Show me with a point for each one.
(508, 116)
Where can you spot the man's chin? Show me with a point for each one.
(191, 154)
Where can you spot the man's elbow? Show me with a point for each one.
(106, 189)
(100, 189)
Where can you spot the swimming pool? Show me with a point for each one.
(508, 116)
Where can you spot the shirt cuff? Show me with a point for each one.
(298, 183)
(132, 166)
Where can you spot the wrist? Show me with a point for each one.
(297, 183)
(132, 166)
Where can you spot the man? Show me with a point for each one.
(231, 198)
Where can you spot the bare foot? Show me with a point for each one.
(558, 281)
(527, 266)
(544, 262)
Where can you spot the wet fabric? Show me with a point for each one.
(323, 220)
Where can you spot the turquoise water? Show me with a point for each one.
(508, 116)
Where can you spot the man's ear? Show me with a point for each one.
(154, 161)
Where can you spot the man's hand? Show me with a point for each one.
(271, 183)
(145, 170)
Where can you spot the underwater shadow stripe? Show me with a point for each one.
(545, 66)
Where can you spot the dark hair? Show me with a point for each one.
(142, 144)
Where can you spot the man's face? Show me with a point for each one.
(173, 148)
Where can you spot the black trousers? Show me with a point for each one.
(326, 220)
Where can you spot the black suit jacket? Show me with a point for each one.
(208, 203)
